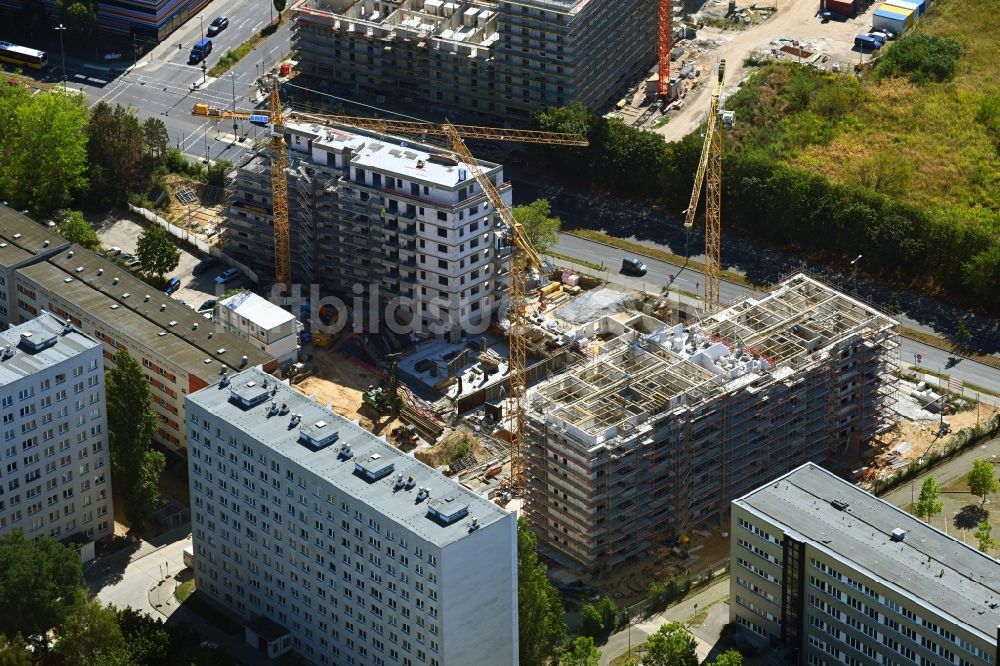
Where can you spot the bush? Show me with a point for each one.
(922, 58)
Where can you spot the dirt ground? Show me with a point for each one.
(201, 220)
(447, 449)
(339, 382)
(795, 19)
(922, 435)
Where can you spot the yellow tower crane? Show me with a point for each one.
(523, 255)
(710, 165)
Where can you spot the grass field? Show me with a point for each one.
(918, 142)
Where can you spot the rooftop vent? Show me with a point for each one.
(67, 327)
(114, 281)
(345, 451)
(224, 382)
(100, 271)
(474, 525)
(8, 352)
(145, 299)
(898, 534)
(173, 322)
(410, 482)
(70, 253)
(295, 420)
(222, 350)
(161, 333)
(45, 243)
(374, 468)
(839, 505)
(114, 306)
(423, 493)
(243, 361)
(126, 295)
(163, 306)
(399, 482)
(273, 409)
(79, 269)
(446, 511)
(67, 280)
(194, 326)
(284, 408)
(17, 235)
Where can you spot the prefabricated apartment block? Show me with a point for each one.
(475, 57)
(378, 218)
(656, 434)
(838, 576)
(56, 474)
(361, 554)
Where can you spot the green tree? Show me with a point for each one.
(279, 6)
(81, 20)
(984, 537)
(39, 581)
(156, 140)
(929, 504)
(671, 645)
(982, 480)
(609, 614)
(540, 608)
(728, 658)
(89, 635)
(75, 228)
(592, 624)
(135, 468)
(922, 58)
(156, 251)
(539, 225)
(118, 152)
(13, 652)
(218, 172)
(41, 181)
(581, 652)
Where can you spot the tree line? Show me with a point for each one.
(957, 247)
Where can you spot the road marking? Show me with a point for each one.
(257, 27)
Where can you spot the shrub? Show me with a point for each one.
(922, 58)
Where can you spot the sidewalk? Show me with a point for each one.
(617, 644)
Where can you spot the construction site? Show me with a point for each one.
(654, 434)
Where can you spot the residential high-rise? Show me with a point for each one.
(838, 576)
(503, 59)
(55, 475)
(178, 349)
(379, 219)
(326, 540)
(655, 433)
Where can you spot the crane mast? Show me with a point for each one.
(279, 194)
(709, 174)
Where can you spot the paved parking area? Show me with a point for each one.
(195, 289)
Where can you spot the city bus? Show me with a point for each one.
(23, 56)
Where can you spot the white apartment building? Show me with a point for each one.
(263, 324)
(398, 225)
(837, 576)
(55, 476)
(325, 539)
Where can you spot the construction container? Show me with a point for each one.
(894, 19)
(848, 8)
(916, 6)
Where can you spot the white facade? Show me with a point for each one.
(838, 576)
(308, 520)
(263, 324)
(55, 474)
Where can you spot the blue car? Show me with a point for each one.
(173, 284)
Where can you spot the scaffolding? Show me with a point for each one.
(665, 427)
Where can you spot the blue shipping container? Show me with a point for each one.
(916, 6)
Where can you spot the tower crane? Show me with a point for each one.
(523, 256)
(710, 175)
(664, 36)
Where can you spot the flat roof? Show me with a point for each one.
(360, 474)
(954, 579)
(258, 310)
(20, 231)
(38, 344)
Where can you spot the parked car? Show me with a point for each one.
(632, 266)
(173, 284)
(47, 223)
(218, 25)
(133, 264)
(227, 275)
(868, 42)
(884, 35)
(207, 305)
(204, 265)
(114, 251)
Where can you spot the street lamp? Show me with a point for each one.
(204, 68)
(236, 128)
(61, 28)
(854, 271)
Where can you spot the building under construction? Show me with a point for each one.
(658, 431)
(503, 59)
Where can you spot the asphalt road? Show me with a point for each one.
(691, 280)
(163, 85)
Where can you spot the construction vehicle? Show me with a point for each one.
(523, 256)
(710, 175)
(385, 399)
